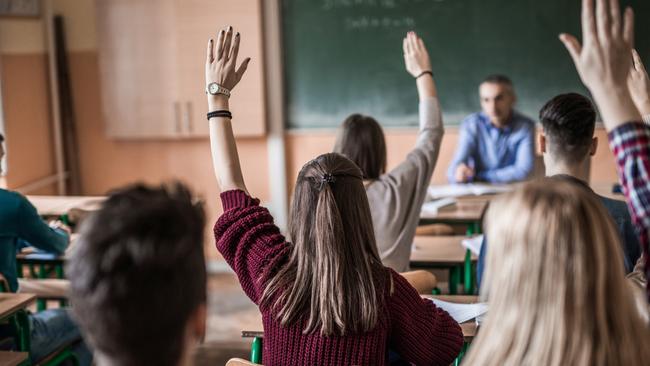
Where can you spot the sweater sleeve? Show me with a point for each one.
(421, 333)
(419, 163)
(249, 241)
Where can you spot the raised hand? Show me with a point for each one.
(220, 65)
(639, 84)
(220, 69)
(603, 60)
(416, 57)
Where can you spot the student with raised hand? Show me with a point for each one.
(603, 62)
(138, 277)
(639, 84)
(21, 225)
(555, 284)
(325, 297)
(396, 197)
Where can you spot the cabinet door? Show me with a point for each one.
(196, 22)
(138, 68)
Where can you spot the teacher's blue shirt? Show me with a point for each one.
(498, 155)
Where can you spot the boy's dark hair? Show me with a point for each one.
(568, 121)
(497, 79)
(361, 139)
(138, 273)
(2, 138)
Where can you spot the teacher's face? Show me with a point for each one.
(497, 101)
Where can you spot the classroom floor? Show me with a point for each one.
(229, 312)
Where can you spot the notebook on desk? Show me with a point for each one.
(431, 208)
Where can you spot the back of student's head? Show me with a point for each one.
(361, 139)
(138, 277)
(330, 282)
(568, 121)
(554, 282)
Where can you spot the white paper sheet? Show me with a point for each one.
(471, 189)
(462, 312)
(474, 244)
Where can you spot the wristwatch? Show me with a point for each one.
(214, 89)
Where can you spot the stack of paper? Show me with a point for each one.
(458, 190)
(431, 208)
(462, 312)
(474, 244)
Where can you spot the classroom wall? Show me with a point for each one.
(107, 164)
(25, 101)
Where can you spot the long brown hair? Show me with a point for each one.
(554, 281)
(361, 139)
(333, 277)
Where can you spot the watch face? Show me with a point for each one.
(213, 88)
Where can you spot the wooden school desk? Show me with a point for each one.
(39, 263)
(12, 358)
(57, 206)
(445, 252)
(12, 308)
(466, 210)
(469, 329)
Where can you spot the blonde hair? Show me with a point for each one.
(555, 285)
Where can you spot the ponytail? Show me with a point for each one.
(330, 281)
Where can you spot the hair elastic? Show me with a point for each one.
(220, 113)
(424, 73)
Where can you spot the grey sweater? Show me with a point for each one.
(396, 197)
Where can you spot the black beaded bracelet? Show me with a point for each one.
(221, 113)
(424, 73)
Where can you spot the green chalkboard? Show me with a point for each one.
(345, 56)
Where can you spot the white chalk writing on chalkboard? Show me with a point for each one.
(370, 22)
(386, 4)
(21, 8)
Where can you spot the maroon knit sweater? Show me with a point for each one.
(413, 327)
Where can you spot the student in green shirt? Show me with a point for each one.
(20, 225)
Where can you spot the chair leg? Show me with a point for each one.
(256, 350)
(454, 280)
(66, 355)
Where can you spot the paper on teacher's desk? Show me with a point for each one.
(462, 312)
(431, 208)
(474, 244)
(471, 189)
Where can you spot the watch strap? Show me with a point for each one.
(220, 90)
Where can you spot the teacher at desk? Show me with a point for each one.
(496, 144)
